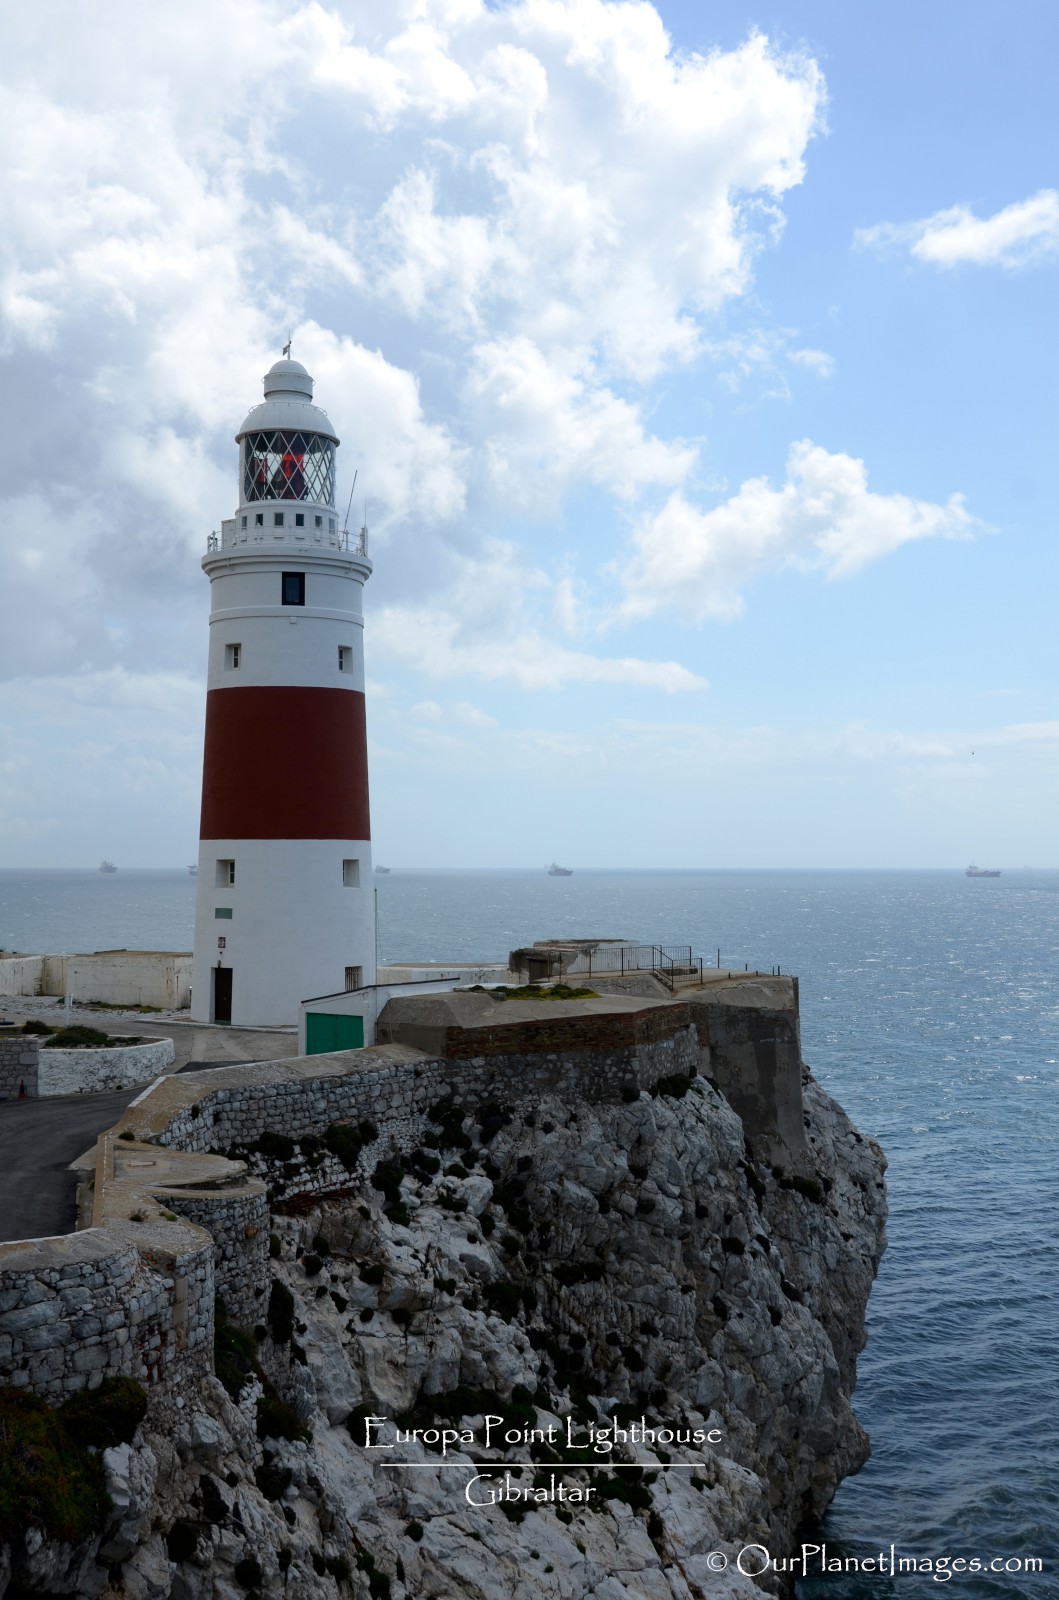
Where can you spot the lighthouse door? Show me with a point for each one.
(222, 994)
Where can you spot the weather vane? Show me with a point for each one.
(286, 347)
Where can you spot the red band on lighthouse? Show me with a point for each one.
(285, 763)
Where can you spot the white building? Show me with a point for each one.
(285, 905)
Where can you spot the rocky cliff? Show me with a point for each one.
(564, 1266)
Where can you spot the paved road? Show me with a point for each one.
(38, 1140)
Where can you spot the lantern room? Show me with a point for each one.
(287, 444)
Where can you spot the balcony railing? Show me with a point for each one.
(233, 536)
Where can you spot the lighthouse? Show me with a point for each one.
(285, 903)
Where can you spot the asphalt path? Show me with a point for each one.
(39, 1137)
(38, 1140)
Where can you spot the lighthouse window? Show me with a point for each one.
(354, 978)
(232, 653)
(294, 588)
(345, 658)
(225, 874)
(319, 521)
(277, 519)
(287, 465)
(351, 874)
(299, 519)
(244, 522)
(259, 519)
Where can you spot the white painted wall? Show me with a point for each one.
(93, 1071)
(294, 927)
(120, 977)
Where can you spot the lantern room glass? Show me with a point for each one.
(289, 466)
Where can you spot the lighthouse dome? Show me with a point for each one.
(288, 404)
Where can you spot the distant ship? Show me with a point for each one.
(382, 869)
(983, 872)
(193, 871)
(556, 871)
(107, 866)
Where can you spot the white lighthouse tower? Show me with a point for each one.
(285, 906)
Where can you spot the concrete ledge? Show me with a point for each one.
(93, 1071)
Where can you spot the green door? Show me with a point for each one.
(324, 1033)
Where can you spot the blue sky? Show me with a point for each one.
(698, 362)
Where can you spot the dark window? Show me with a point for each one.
(259, 519)
(299, 519)
(294, 588)
(277, 519)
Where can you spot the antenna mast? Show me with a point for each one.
(345, 525)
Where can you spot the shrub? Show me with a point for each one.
(276, 1419)
(75, 1037)
(372, 1272)
(275, 1146)
(33, 1026)
(676, 1085)
(312, 1264)
(106, 1416)
(182, 1540)
(47, 1479)
(280, 1314)
(234, 1352)
(344, 1142)
(414, 1530)
(503, 1298)
(387, 1177)
(273, 1481)
(248, 1572)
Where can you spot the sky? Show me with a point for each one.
(698, 364)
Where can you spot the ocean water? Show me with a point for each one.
(930, 1009)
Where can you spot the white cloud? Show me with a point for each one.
(547, 426)
(824, 518)
(1021, 235)
(817, 361)
(491, 624)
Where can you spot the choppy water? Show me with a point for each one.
(930, 1008)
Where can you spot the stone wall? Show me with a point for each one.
(238, 1226)
(18, 1065)
(134, 1294)
(394, 1085)
(100, 1304)
(93, 1071)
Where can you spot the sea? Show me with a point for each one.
(930, 1010)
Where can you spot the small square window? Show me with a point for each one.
(232, 656)
(277, 519)
(293, 589)
(351, 874)
(319, 521)
(259, 519)
(244, 522)
(345, 658)
(299, 519)
(225, 874)
(354, 978)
